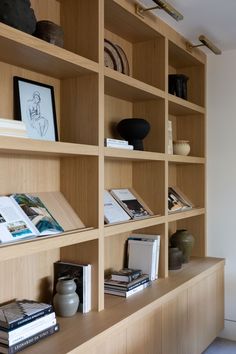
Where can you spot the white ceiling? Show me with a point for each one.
(216, 19)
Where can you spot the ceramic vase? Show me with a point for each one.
(134, 130)
(178, 85)
(66, 300)
(49, 32)
(181, 147)
(175, 258)
(184, 241)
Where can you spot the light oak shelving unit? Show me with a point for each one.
(90, 100)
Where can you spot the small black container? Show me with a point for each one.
(178, 85)
(134, 130)
(175, 258)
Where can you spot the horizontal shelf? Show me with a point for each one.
(21, 49)
(123, 154)
(128, 88)
(42, 147)
(186, 214)
(114, 229)
(118, 310)
(178, 106)
(45, 243)
(186, 159)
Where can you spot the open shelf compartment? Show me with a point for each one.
(182, 62)
(143, 46)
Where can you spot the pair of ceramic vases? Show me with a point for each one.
(182, 243)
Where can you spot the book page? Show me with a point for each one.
(38, 214)
(13, 224)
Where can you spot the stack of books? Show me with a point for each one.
(10, 127)
(126, 282)
(143, 253)
(119, 144)
(25, 322)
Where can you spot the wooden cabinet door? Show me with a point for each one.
(175, 325)
(205, 311)
(144, 334)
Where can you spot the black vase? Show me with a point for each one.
(184, 241)
(178, 85)
(134, 130)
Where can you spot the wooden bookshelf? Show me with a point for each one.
(90, 100)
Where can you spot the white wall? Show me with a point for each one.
(221, 174)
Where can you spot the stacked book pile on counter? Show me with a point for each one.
(23, 323)
(119, 144)
(126, 282)
(10, 127)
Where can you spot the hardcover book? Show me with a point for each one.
(5, 349)
(81, 273)
(20, 312)
(127, 293)
(126, 274)
(122, 285)
(142, 253)
(155, 239)
(113, 212)
(131, 202)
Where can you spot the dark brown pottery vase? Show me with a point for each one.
(184, 241)
(50, 32)
(134, 130)
(175, 258)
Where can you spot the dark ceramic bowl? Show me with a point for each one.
(49, 32)
(134, 130)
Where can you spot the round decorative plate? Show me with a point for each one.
(109, 61)
(124, 60)
(108, 46)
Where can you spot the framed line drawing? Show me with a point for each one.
(34, 104)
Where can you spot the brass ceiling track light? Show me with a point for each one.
(205, 42)
(163, 5)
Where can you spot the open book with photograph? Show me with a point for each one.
(131, 203)
(177, 201)
(24, 215)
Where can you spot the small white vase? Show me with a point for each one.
(181, 147)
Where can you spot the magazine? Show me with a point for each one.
(113, 212)
(23, 216)
(131, 203)
(177, 201)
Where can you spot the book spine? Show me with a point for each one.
(33, 339)
(27, 327)
(28, 319)
(137, 289)
(128, 288)
(29, 333)
(115, 141)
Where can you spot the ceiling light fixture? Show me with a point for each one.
(205, 42)
(163, 5)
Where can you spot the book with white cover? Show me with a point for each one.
(120, 146)
(142, 254)
(113, 212)
(149, 237)
(115, 141)
(131, 203)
